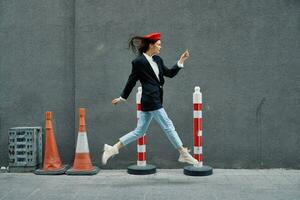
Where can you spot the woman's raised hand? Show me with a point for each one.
(184, 56)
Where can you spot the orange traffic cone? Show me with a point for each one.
(82, 163)
(52, 163)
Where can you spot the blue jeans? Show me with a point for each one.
(145, 118)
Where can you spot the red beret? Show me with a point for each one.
(152, 36)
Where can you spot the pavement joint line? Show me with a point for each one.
(33, 192)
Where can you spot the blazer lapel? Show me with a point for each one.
(159, 68)
(150, 70)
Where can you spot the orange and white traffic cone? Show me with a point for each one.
(82, 163)
(52, 164)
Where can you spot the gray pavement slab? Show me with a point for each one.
(240, 184)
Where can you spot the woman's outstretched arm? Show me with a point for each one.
(173, 71)
(132, 79)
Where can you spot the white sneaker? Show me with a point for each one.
(186, 157)
(108, 152)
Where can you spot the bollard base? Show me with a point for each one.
(141, 170)
(94, 171)
(198, 171)
(60, 171)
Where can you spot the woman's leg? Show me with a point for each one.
(167, 125)
(140, 130)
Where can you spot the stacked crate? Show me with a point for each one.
(25, 148)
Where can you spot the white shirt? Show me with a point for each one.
(154, 66)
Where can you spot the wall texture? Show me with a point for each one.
(37, 69)
(62, 55)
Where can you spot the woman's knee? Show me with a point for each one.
(169, 126)
(139, 131)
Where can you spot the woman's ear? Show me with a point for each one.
(151, 46)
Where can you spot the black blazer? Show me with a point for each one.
(152, 88)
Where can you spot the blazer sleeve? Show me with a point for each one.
(132, 79)
(169, 72)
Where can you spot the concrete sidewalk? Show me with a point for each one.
(165, 184)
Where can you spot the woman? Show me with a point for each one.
(150, 70)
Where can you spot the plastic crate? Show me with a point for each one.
(25, 147)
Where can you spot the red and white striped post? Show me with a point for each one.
(141, 167)
(198, 169)
(197, 104)
(141, 142)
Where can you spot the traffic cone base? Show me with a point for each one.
(92, 171)
(59, 171)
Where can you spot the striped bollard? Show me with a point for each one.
(141, 167)
(198, 169)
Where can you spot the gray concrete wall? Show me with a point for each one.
(37, 69)
(243, 54)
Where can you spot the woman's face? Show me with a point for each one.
(155, 48)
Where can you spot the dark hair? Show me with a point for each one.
(139, 44)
